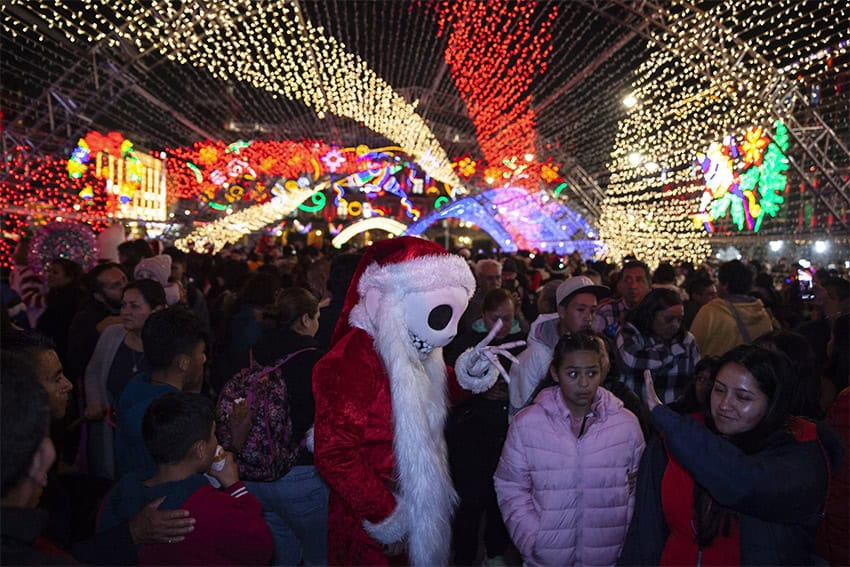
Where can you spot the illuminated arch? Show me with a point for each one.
(467, 209)
(392, 226)
(515, 219)
(215, 235)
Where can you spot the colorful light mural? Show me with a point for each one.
(743, 180)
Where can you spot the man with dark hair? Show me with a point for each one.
(633, 285)
(34, 355)
(735, 317)
(26, 455)
(701, 289)
(831, 300)
(105, 284)
(174, 345)
(664, 276)
(179, 432)
(131, 252)
(488, 276)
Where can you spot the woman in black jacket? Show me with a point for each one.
(296, 505)
(743, 483)
(476, 432)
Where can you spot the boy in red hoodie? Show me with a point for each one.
(179, 432)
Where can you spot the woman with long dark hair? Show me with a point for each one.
(743, 483)
(654, 338)
(64, 296)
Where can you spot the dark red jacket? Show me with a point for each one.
(229, 528)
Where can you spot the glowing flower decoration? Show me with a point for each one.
(492, 172)
(549, 173)
(466, 167)
(78, 160)
(87, 193)
(752, 192)
(754, 145)
(717, 169)
(333, 160)
(76, 168)
(267, 163)
(208, 155)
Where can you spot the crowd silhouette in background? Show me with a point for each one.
(669, 414)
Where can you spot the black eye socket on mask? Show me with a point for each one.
(440, 317)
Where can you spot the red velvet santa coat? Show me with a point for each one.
(381, 405)
(354, 440)
(354, 447)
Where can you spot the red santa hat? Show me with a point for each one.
(404, 264)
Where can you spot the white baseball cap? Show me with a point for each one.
(579, 284)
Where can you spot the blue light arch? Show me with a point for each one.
(516, 219)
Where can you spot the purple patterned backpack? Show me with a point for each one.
(268, 453)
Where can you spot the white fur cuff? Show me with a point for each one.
(308, 440)
(472, 374)
(391, 529)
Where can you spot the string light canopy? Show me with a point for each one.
(678, 108)
(470, 89)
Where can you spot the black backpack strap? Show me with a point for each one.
(745, 334)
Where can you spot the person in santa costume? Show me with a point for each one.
(381, 405)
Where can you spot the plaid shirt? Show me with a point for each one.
(672, 365)
(609, 317)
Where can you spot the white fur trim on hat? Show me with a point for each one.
(420, 274)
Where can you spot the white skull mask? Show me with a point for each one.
(432, 316)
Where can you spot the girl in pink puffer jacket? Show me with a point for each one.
(565, 481)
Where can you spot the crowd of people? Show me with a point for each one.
(160, 410)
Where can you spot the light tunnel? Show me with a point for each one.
(512, 217)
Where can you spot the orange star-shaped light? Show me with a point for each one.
(493, 172)
(466, 166)
(549, 173)
(208, 155)
(267, 163)
(753, 146)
